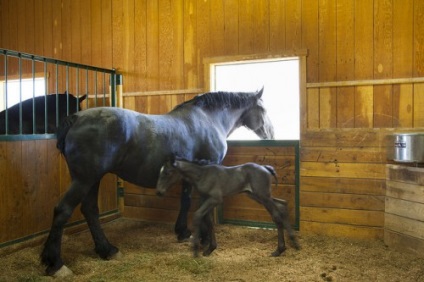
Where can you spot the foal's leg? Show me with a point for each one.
(50, 255)
(276, 216)
(90, 210)
(209, 233)
(284, 214)
(199, 216)
(183, 233)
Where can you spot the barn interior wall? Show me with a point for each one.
(159, 46)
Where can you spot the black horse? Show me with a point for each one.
(49, 109)
(134, 146)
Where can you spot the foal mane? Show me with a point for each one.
(221, 99)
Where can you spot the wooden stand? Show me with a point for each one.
(404, 209)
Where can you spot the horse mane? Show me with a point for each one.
(221, 99)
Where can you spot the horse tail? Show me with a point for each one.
(62, 131)
(273, 173)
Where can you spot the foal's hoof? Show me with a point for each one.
(64, 271)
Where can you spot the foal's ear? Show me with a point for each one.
(259, 93)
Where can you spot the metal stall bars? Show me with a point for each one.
(31, 89)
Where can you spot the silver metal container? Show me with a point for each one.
(406, 147)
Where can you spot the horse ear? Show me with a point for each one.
(82, 98)
(259, 93)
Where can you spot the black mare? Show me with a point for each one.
(48, 108)
(134, 146)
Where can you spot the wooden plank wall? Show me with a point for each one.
(34, 178)
(404, 218)
(160, 46)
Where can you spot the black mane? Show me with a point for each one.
(221, 99)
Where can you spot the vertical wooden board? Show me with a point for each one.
(231, 30)
(30, 187)
(140, 47)
(345, 40)
(118, 38)
(364, 105)
(57, 29)
(418, 38)
(403, 26)
(217, 28)
(261, 26)
(310, 38)
(176, 100)
(293, 25)
(418, 105)
(277, 25)
(21, 26)
(403, 105)
(383, 106)
(327, 107)
(203, 43)
(364, 38)
(246, 27)
(1, 23)
(66, 30)
(5, 191)
(38, 27)
(48, 28)
(85, 33)
(47, 192)
(96, 32)
(128, 38)
(107, 38)
(191, 69)
(152, 45)
(345, 107)
(75, 29)
(141, 104)
(383, 39)
(170, 42)
(14, 192)
(327, 40)
(13, 25)
(313, 103)
(29, 26)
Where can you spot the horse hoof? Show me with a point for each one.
(116, 256)
(278, 252)
(64, 271)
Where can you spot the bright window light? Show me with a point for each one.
(280, 79)
(13, 88)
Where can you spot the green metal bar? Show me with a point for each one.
(6, 119)
(20, 93)
(33, 97)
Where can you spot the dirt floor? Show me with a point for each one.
(151, 253)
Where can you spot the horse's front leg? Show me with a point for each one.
(183, 233)
(50, 255)
(90, 210)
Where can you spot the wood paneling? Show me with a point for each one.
(35, 177)
(161, 45)
(404, 211)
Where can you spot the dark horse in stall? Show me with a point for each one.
(134, 146)
(47, 109)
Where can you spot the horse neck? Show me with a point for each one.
(227, 119)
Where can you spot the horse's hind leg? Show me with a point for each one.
(50, 255)
(282, 207)
(90, 210)
(278, 218)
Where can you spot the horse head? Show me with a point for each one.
(257, 120)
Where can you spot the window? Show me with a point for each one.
(29, 88)
(280, 79)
